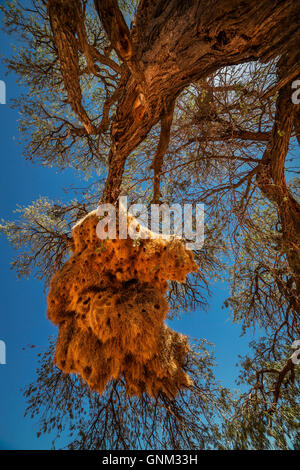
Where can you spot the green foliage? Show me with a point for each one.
(40, 236)
(256, 423)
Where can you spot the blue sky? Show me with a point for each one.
(22, 303)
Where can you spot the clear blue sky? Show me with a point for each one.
(22, 303)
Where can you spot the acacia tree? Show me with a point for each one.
(191, 103)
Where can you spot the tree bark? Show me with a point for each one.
(173, 43)
(176, 42)
(271, 174)
(67, 21)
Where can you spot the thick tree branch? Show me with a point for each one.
(118, 33)
(178, 42)
(115, 27)
(174, 43)
(279, 378)
(66, 21)
(103, 59)
(166, 123)
(288, 367)
(271, 177)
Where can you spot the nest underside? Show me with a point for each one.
(109, 301)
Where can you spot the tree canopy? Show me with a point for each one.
(177, 101)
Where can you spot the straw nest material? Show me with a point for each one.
(109, 300)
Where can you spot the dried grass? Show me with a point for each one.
(109, 300)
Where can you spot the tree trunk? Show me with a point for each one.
(176, 42)
(271, 174)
